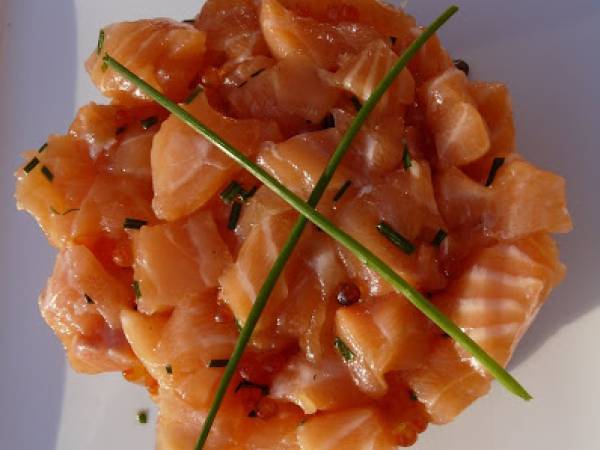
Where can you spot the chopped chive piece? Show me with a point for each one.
(218, 363)
(247, 195)
(230, 193)
(341, 347)
(238, 325)
(89, 300)
(47, 173)
(57, 213)
(406, 158)
(462, 66)
(120, 130)
(142, 416)
(496, 164)
(439, 237)
(191, 21)
(234, 216)
(328, 122)
(31, 164)
(396, 238)
(413, 395)
(169, 369)
(253, 414)
(195, 93)
(356, 102)
(134, 224)
(257, 73)
(104, 66)
(100, 42)
(393, 40)
(339, 194)
(245, 384)
(149, 122)
(43, 147)
(136, 289)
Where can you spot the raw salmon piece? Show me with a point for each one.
(54, 203)
(110, 201)
(384, 334)
(82, 303)
(361, 73)
(522, 200)
(178, 261)
(377, 149)
(309, 311)
(405, 416)
(446, 384)
(242, 280)
(460, 133)
(288, 34)
(349, 429)
(97, 125)
(323, 386)
(192, 337)
(131, 155)
(143, 333)
(263, 205)
(386, 201)
(187, 170)
(299, 162)
(164, 53)
(430, 61)
(274, 94)
(387, 19)
(232, 29)
(494, 301)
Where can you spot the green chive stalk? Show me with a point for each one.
(308, 211)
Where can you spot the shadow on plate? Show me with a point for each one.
(38, 42)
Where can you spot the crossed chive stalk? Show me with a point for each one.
(309, 213)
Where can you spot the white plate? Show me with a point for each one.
(547, 51)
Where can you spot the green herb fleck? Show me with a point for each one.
(149, 122)
(496, 164)
(142, 416)
(47, 173)
(396, 238)
(195, 93)
(328, 122)
(134, 224)
(234, 216)
(413, 395)
(136, 289)
(245, 384)
(57, 213)
(342, 190)
(31, 165)
(406, 158)
(356, 102)
(231, 192)
(101, 37)
(247, 195)
(104, 66)
(344, 350)
(218, 363)
(439, 237)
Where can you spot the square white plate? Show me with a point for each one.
(547, 52)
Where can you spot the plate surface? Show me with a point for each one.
(545, 51)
